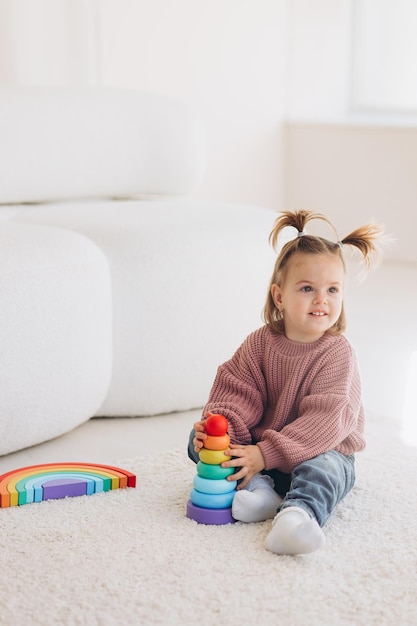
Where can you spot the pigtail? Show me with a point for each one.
(367, 239)
(297, 220)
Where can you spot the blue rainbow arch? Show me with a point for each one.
(36, 483)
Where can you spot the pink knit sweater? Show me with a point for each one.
(294, 400)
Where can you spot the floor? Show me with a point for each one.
(382, 325)
(108, 441)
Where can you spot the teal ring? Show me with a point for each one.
(214, 472)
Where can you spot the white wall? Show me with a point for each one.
(48, 42)
(224, 57)
(385, 51)
(227, 59)
(319, 60)
(356, 173)
(349, 165)
(352, 60)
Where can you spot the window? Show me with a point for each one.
(384, 72)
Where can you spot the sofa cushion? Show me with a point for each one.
(55, 332)
(60, 143)
(189, 281)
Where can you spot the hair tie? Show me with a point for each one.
(340, 244)
(301, 233)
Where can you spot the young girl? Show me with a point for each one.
(292, 393)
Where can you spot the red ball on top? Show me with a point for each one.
(216, 425)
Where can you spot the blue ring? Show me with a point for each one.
(206, 485)
(212, 501)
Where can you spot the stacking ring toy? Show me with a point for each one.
(214, 486)
(213, 457)
(206, 485)
(214, 472)
(212, 501)
(217, 443)
(209, 516)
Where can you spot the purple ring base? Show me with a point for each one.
(209, 516)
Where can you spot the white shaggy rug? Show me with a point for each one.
(132, 557)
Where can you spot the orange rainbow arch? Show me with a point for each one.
(49, 481)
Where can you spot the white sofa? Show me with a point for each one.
(121, 293)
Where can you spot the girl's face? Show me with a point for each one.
(311, 296)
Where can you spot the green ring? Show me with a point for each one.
(214, 472)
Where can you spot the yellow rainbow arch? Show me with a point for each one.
(36, 483)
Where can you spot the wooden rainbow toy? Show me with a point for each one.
(36, 483)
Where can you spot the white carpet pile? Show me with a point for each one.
(132, 557)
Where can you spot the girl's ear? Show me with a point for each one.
(276, 296)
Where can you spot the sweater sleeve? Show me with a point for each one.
(239, 390)
(327, 416)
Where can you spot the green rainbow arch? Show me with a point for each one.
(36, 483)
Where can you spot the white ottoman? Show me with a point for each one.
(55, 332)
(189, 281)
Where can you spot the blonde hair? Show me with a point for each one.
(363, 238)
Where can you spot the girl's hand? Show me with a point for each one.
(200, 435)
(248, 459)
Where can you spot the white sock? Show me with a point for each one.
(257, 502)
(294, 532)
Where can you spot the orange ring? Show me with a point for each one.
(217, 443)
